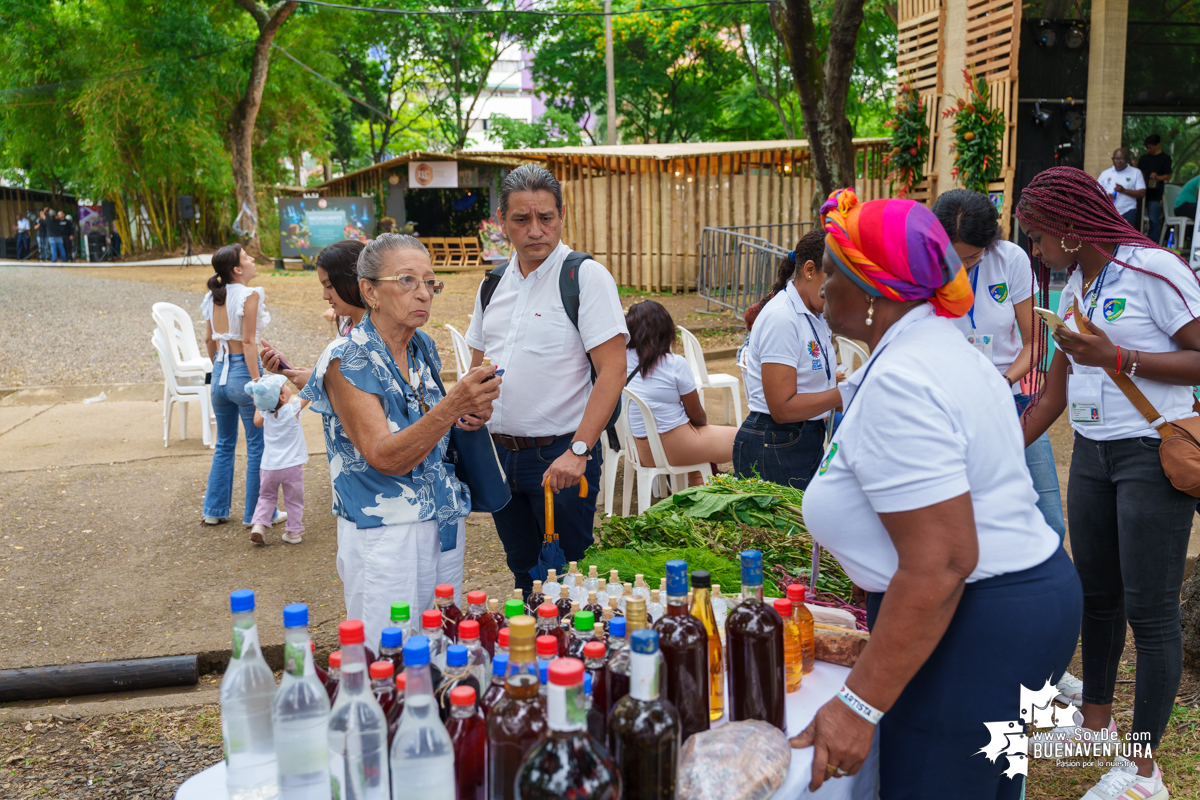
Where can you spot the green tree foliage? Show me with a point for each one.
(554, 128)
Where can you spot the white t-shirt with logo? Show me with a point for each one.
(1138, 312)
(669, 380)
(283, 438)
(1001, 279)
(787, 332)
(931, 419)
(1131, 178)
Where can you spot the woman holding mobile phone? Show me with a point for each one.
(1129, 525)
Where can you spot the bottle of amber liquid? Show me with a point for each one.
(702, 610)
(644, 728)
(754, 633)
(804, 618)
(684, 645)
(793, 658)
(534, 599)
(517, 722)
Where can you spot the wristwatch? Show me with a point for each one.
(579, 448)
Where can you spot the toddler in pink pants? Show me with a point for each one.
(283, 459)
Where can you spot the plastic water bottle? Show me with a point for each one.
(1171, 240)
(246, 694)
(301, 713)
(358, 758)
(422, 754)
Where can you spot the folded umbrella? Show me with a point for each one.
(552, 556)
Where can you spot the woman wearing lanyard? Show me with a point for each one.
(1129, 525)
(924, 498)
(790, 377)
(1000, 321)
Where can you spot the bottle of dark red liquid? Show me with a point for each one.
(493, 608)
(495, 690)
(391, 648)
(401, 685)
(518, 721)
(534, 599)
(443, 601)
(335, 674)
(644, 728)
(594, 661)
(547, 625)
(562, 602)
(568, 762)
(322, 675)
(684, 645)
(468, 731)
(477, 603)
(383, 684)
(502, 642)
(754, 636)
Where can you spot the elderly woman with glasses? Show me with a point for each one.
(399, 506)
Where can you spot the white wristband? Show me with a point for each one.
(859, 706)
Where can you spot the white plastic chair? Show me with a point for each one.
(180, 333)
(462, 353)
(183, 390)
(1170, 220)
(646, 475)
(847, 352)
(608, 470)
(719, 381)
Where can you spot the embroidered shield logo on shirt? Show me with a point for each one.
(828, 457)
(1113, 308)
(999, 292)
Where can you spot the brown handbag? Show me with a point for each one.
(1180, 448)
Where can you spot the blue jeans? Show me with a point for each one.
(22, 245)
(57, 251)
(230, 402)
(1039, 458)
(1154, 214)
(522, 523)
(784, 453)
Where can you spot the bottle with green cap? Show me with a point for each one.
(584, 632)
(247, 692)
(513, 608)
(401, 618)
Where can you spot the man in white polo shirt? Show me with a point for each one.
(549, 417)
(1124, 184)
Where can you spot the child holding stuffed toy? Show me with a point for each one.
(277, 412)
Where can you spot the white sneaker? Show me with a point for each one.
(211, 521)
(1045, 741)
(292, 538)
(1123, 783)
(256, 534)
(1070, 690)
(283, 518)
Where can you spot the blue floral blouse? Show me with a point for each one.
(362, 494)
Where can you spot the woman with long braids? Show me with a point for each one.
(1129, 525)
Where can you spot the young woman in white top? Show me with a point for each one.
(924, 498)
(234, 314)
(791, 375)
(1129, 525)
(668, 387)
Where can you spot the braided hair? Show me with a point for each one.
(1068, 203)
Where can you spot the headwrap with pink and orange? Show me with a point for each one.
(896, 249)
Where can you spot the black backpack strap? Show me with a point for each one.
(568, 287)
(491, 280)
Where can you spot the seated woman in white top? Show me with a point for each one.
(668, 387)
(924, 498)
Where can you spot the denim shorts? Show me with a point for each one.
(785, 453)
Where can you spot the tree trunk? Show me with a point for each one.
(245, 114)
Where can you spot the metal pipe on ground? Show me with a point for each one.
(97, 677)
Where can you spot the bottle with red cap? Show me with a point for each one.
(431, 628)
(518, 721)
(322, 675)
(468, 731)
(422, 754)
(797, 592)
(477, 657)
(335, 675)
(358, 755)
(458, 673)
(383, 686)
(594, 658)
(401, 685)
(568, 762)
(547, 625)
(495, 690)
(547, 651)
(793, 655)
(502, 641)
(443, 601)
(477, 610)
(497, 615)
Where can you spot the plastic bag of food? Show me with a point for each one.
(739, 761)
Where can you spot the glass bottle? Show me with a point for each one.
(605, 617)
(502, 642)
(595, 660)
(458, 673)
(534, 599)
(301, 715)
(468, 731)
(592, 583)
(804, 619)
(702, 610)
(683, 642)
(640, 587)
(618, 662)
(551, 585)
(391, 648)
(335, 675)
(477, 610)
(626, 593)
(501, 621)
(422, 754)
(495, 690)
(563, 602)
(572, 578)
(720, 612)
(593, 604)
(358, 756)
(547, 625)
(567, 623)
(443, 601)
(585, 625)
(247, 692)
(793, 657)
(616, 606)
(754, 635)
(477, 657)
(568, 762)
(655, 610)
(401, 619)
(517, 721)
(644, 729)
(614, 587)
(602, 592)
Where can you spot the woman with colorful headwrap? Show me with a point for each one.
(924, 498)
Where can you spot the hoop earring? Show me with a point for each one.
(871, 312)
(1078, 246)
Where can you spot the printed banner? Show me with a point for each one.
(308, 224)
(433, 174)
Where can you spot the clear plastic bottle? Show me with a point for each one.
(401, 618)
(654, 609)
(458, 673)
(422, 754)
(432, 629)
(477, 657)
(793, 657)
(247, 692)
(513, 607)
(602, 592)
(443, 601)
(301, 714)
(358, 757)
(501, 643)
(804, 618)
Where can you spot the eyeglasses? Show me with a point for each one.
(408, 283)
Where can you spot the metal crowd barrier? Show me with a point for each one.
(738, 263)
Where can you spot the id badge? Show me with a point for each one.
(982, 342)
(1084, 399)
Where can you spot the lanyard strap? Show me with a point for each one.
(1095, 293)
(821, 347)
(974, 282)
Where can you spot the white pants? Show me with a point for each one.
(392, 564)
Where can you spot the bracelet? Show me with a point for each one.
(1118, 358)
(860, 706)
(1137, 357)
(1010, 381)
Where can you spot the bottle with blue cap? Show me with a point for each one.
(495, 690)
(458, 672)
(247, 691)
(684, 645)
(358, 754)
(617, 684)
(422, 754)
(644, 729)
(301, 712)
(754, 637)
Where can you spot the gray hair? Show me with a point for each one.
(530, 178)
(370, 260)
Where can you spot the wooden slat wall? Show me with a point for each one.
(927, 190)
(993, 34)
(908, 9)
(919, 50)
(1004, 97)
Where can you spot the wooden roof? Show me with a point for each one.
(660, 152)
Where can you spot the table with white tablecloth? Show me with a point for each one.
(818, 687)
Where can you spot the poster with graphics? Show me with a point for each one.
(310, 223)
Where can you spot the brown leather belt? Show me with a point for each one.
(515, 443)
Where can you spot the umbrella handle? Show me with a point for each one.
(550, 535)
